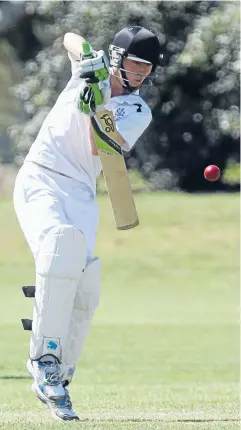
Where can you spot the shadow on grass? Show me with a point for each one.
(180, 420)
(210, 420)
(4, 377)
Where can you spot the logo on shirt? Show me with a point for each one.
(139, 106)
(119, 113)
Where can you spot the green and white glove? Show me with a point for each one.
(98, 64)
(90, 97)
(86, 101)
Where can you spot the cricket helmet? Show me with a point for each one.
(136, 43)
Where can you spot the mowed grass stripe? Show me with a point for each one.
(164, 345)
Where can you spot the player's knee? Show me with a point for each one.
(88, 292)
(63, 253)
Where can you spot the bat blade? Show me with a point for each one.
(114, 171)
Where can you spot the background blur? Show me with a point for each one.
(164, 346)
(195, 97)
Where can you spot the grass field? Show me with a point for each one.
(164, 347)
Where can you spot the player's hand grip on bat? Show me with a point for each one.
(99, 64)
(86, 100)
(92, 96)
(90, 99)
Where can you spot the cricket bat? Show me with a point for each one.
(113, 164)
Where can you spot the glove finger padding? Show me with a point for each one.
(89, 77)
(87, 93)
(92, 103)
(93, 96)
(99, 64)
(86, 100)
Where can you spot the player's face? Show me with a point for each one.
(137, 71)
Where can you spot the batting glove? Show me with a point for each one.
(99, 65)
(90, 97)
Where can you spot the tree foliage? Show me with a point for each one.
(10, 108)
(195, 99)
(196, 118)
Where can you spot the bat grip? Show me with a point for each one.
(87, 50)
(88, 53)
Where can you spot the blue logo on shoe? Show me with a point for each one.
(52, 345)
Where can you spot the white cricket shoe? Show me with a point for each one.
(48, 388)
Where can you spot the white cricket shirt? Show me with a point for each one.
(63, 142)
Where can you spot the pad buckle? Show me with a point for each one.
(28, 291)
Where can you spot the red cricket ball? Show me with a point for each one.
(212, 173)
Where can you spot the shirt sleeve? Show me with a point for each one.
(131, 121)
(75, 65)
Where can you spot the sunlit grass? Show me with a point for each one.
(163, 350)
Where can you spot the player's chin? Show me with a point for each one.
(136, 84)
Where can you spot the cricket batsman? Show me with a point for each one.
(54, 199)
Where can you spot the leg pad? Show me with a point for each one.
(28, 291)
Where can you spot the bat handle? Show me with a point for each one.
(87, 50)
(88, 53)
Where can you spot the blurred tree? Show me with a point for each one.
(16, 28)
(196, 118)
(10, 110)
(196, 99)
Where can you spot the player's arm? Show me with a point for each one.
(73, 44)
(121, 141)
(98, 64)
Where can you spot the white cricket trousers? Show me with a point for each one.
(44, 199)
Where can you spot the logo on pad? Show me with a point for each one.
(52, 345)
